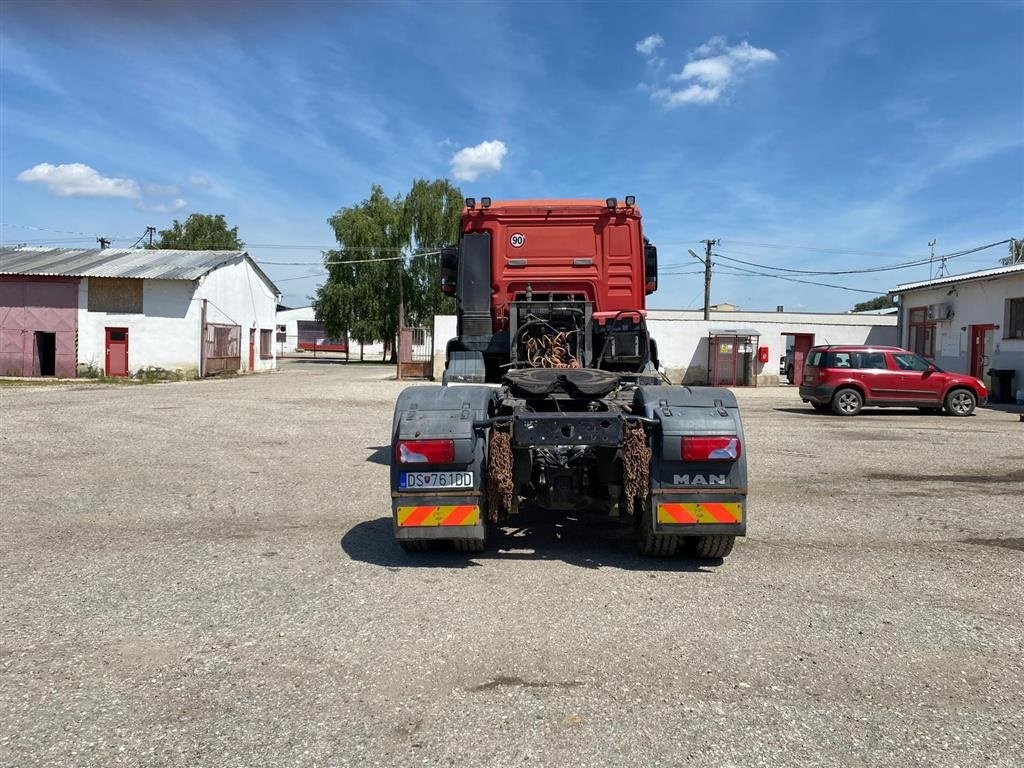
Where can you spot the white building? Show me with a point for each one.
(733, 347)
(969, 323)
(188, 313)
(298, 330)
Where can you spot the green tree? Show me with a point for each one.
(201, 232)
(361, 295)
(879, 302)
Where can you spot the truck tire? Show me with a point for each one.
(414, 545)
(469, 545)
(713, 547)
(960, 402)
(847, 402)
(648, 543)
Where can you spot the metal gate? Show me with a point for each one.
(222, 348)
(415, 353)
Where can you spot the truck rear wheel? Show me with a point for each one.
(469, 545)
(713, 547)
(650, 544)
(414, 545)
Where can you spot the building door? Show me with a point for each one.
(802, 343)
(46, 354)
(252, 349)
(117, 351)
(982, 340)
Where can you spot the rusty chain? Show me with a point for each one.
(499, 471)
(636, 464)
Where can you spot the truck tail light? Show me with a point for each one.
(425, 451)
(718, 448)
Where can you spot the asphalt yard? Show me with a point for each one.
(203, 574)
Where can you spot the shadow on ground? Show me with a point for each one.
(536, 536)
(808, 411)
(381, 455)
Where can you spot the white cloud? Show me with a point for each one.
(649, 44)
(469, 163)
(79, 180)
(198, 180)
(714, 68)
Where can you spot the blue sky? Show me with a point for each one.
(869, 128)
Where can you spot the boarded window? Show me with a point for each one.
(115, 294)
(265, 344)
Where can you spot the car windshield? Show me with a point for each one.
(907, 361)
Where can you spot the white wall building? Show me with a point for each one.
(685, 339)
(968, 323)
(188, 312)
(298, 327)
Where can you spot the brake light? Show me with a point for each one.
(724, 448)
(425, 451)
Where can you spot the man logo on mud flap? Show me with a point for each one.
(698, 479)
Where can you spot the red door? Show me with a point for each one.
(802, 343)
(252, 349)
(117, 351)
(982, 340)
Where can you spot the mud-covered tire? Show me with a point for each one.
(847, 402)
(414, 545)
(650, 545)
(960, 402)
(712, 547)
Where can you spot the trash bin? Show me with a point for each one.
(1002, 385)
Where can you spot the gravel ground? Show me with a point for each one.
(202, 574)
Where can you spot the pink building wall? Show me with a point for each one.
(29, 304)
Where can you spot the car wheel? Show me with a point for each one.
(961, 402)
(847, 402)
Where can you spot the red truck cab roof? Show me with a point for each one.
(563, 247)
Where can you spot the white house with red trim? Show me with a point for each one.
(969, 323)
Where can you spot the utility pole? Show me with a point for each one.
(706, 261)
(931, 244)
(104, 242)
(150, 231)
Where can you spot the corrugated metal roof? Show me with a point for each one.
(114, 262)
(996, 272)
(140, 263)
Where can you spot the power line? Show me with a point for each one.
(865, 270)
(402, 257)
(749, 273)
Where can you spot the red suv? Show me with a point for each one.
(847, 378)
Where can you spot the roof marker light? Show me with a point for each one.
(471, 202)
(611, 202)
(630, 201)
(485, 202)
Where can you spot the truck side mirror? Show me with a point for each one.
(449, 269)
(650, 267)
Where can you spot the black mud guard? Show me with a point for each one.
(694, 498)
(441, 412)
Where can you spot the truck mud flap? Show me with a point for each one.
(439, 517)
(686, 516)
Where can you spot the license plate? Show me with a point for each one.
(408, 481)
